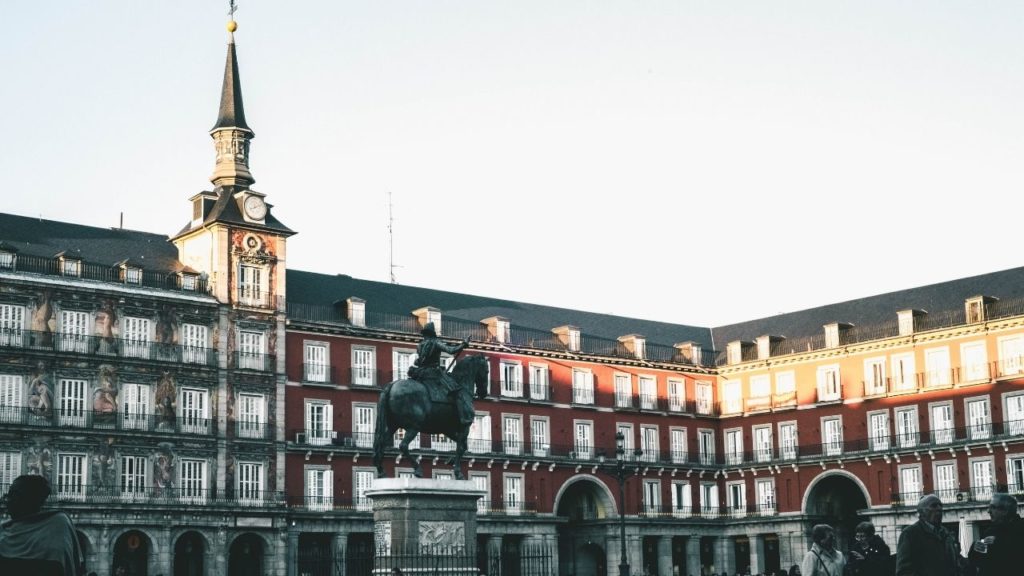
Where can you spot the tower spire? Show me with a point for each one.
(231, 135)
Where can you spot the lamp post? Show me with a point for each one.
(620, 473)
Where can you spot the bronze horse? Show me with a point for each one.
(406, 404)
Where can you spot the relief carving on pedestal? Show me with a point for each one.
(441, 535)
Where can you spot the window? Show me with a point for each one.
(502, 331)
(704, 395)
(905, 319)
(511, 379)
(878, 430)
(1014, 413)
(319, 489)
(357, 312)
(396, 440)
(434, 316)
(676, 395)
(652, 496)
(71, 476)
(785, 383)
(364, 366)
(251, 288)
(540, 437)
(132, 484)
(760, 392)
(828, 383)
(132, 275)
(1011, 353)
(74, 330)
(12, 322)
(134, 406)
(874, 376)
(364, 419)
(787, 440)
(763, 451)
(10, 468)
(70, 267)
(974, 358)
(539, 389)
(582, 386)
(648, 392)
(682, 499)
(910, 484)
(709, 499)
(482, 481)
(627, 439)
(936, 365)
(979, 419)
(319, 422)
(192, 478)
(188, 282)
(362, 480)
(315, 365)
(736, 498)
(906, 427)
(1015, 474)
(945, 481)
(623, 391)
(250, 481)
(250, 350)
(443, 475)
(982, 478)
(251, 416)
(677, 445)
(513, 434)
(649, 443)
(193, 343)
(734, 446)
(903, 378)
(942, 423)
(442, 443)
(513, 493)
(195, 418)
(401, 361)
(573, 340)
(135, 337)
(765, 492)
(583, 443)
(7, 260)
(732, 397)
(832, 436)
(72, 402)
(480, 434)
(706, 446)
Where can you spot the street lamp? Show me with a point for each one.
(620, 473)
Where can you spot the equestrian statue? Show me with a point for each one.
(431, 401)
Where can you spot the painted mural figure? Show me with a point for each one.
(104, 323)
(163, 467)
(166, 395)
(38, 459)
(43, 322)
(104, 397)
(40, 396)
(428, 370)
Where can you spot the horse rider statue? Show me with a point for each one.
(428, 369)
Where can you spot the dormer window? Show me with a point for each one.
(569, 336)
(734, 352)
(574, 340)
(189, 282)
(7, 260)
(975, 308)
(690, 352)
(908, 321)
(429, 314)
(356, 311)
(635, 345)
(435, 317)
(131, 275)
(498, 328)
(70, 266)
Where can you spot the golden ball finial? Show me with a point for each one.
(232, 26)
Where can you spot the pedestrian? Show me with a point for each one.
(823, 559)
(794, 570)
(1001, 551)
(925, 548)
(870, 554)
(36, 535)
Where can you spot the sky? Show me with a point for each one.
(694, 162)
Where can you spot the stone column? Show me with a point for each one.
(292, 552)
(340, 550)
(220, 545)
(635, 549)
(693, 556)
(103, 552)
(664, 556)
(757, 554)
(551, 548)
(166, 549)
(494, 545)
(725, 555)
(612, 552)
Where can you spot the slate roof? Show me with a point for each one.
(324, 289)
(109, 246)
(231, 113)
(880, 309)
(226, 209)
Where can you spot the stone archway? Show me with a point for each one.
(189, 554)
(132, 550)
(836, 498)
(584, 497)
(247, 555)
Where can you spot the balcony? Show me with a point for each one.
(503, 508)
(758, 403)
(625, 401)
(972, 495)
(133, 496)
(707, 512)
(108, 347)
(160, 279)
(253, 297)
(540, 391)
(254, 361)
(101, 420)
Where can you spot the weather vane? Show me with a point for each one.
(232, 8)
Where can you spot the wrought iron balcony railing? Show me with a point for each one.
(69, 494)
(104, 420)
(103, 346)
(160, 279)
(254, 361)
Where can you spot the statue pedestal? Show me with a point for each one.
(424, 524)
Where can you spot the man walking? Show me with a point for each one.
(925, 548)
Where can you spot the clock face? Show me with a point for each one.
(255, 208)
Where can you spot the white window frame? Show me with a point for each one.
(832, 435)
(252, 415)
(134, 477)
(194, 343)
(135, 406)
(706, 446)
(1013, 414)
(401, 360)
(904, 379)
(582, 386)
(978, 412)
(193, 480)
(785, 383)
(583, 439)
(647, 387)
(1015, 473)
(364, 421)
(1011, 354)
(829, 383)
(705, 397)
(626, 429)
(364, 365)
(733, 438)
(75, 329)
(789, 441)
(362, 480)
(319, 421)
(512, 492)
(764, 493)
(682, 499)
(12, 324)
(540, 382)
(652, 496)
(195, 410)
(250, 483)
(910, 483)
(136, 336)
(511, 373)
(316, 363)
(252, 285)
(512, 433)
(709, 502)
(732, 397)
(251, 350)
(974, 359)
(764, 448)
(676, 395)
(480, 434)
(649, 443)
(678, 445)
(879, 425)
(942, 432)
(875, 383)
(736, 498)
(623, 390)
(10, 468)
(944, 476)
(540, 436)
(982, 483)
(482, 481)
(938, 367)
(761, 391)
(319, 488)
(73, 400)
(72, 476)
(908, 432)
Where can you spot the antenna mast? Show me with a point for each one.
(391, 240)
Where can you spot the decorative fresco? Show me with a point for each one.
(40, 392)
(104, 396)
(44, 322)
(39, 457)
(104, 467)
(166, 401)
(163, 470)
(105, 328)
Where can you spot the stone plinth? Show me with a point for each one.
(419, 515)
